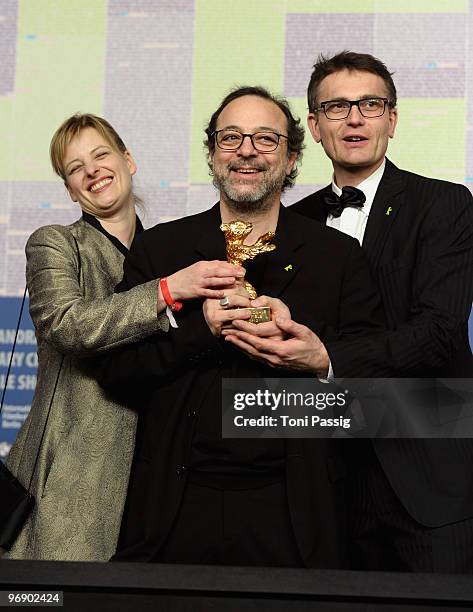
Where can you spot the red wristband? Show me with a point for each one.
(174, 306)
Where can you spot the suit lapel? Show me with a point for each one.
(384, 210)
(284, 263)
(320, 212)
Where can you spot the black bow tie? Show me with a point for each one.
(351, 196)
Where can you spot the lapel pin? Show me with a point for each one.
(289, 267)
(388, 211)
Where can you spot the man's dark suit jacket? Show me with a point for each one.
(419, 243)
(324, 279)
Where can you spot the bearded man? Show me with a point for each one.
(195, 497)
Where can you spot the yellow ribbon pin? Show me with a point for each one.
(388, 211)
(289, 267)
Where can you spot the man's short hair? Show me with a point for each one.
(295, 132)
(70, 128)
(348, 60)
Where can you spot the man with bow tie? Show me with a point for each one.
(411, 501)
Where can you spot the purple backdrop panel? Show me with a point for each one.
(50, 204)
(409, 45)
(163, 201)
(296, 193)
(308, 35)
(8, 34)
(157, 76)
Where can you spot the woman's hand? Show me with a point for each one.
(204, 279)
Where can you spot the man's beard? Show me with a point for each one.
(256, 198)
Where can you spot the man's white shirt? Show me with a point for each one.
(353, 220)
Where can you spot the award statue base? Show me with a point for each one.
(260, 314)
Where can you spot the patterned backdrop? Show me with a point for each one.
(158, 68)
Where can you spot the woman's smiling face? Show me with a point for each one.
(98, 176)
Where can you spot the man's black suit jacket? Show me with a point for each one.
(419, 243)
(324, 279)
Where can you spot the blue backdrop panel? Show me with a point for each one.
(471, 329)
(22, 379)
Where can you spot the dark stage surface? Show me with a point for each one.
(142, 587)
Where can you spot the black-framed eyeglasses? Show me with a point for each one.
(340, 109)
(231, 140)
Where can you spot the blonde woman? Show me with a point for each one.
(85, 441)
